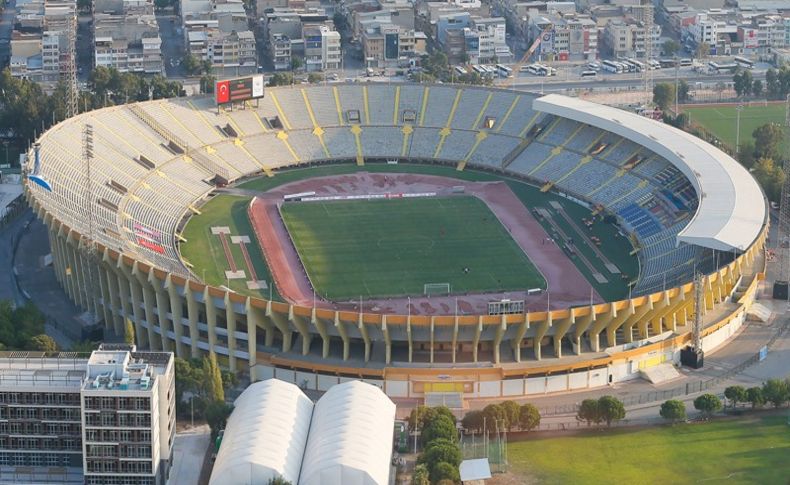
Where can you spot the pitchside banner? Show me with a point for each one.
(236, 90)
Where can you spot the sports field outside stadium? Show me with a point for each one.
(751, 450)
(204, 251)
(394, 247)
(721, 120)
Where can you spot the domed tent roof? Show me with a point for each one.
(350, 440)
(265, 436)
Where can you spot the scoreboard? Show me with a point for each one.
(241, 89)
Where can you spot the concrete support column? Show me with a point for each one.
(230, 318)
(363, 331)
(515, 343)
(320, 327)
(211, 320)
(112, 284)
(455, 337)
(177, 315)
(193, 314)
(498, 334)
(300, 324)
(341, 329)
(387, 340)
(540, 331)
(281, 323)
(476, 339)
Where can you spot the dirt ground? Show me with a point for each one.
(566, 285)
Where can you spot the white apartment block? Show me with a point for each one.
(626, 38)
(41, 51)
(104, 419)
(389, 45)
(217, 31)
(129, 43)
(321, 48)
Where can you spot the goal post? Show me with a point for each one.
(430, 289)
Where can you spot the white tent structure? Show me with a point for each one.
(265, 436)
(350, 440)
(276, 431)
(732, 208)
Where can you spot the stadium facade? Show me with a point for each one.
(688, 205)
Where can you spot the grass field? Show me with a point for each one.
(204, 250)
(393, 247)
(202, 245)
(721, 121)
(754, 450)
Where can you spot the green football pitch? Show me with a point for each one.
(380, 248)
(721, 120)
(752, 450)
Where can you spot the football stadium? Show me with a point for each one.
(441, 242)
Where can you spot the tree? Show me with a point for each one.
(610, 409)
(315, 77)
(671, 47)
(444, 471)
(511, 410)
(421, 476)
(296, 63)
(663, 95)
(217, 414)
(207, 82)
(213, 378)
(683, 91)
(754, 395)
(528, 417)
(767, 138)
(229, 380)
(673, 410)
(278, 481)
(735, 394)
(43, 343)
(757, 88)
(473, 421)
(128, 335)
(440, 427)
(588, 411)
(441, 450)
(84, 346)
(702, 51)
(191, 64)
(776, 392)
(493, 414)
(188, 379)
(770, 176)
(742, 82)
(281, 79)
(746, 154)
(707, 404)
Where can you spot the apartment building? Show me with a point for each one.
(217, 31)
(626, 37)
(388, 45)
(128, 417)
(129, 42)
(107, 418)
(321, 48)
(473, 39)
(40, 43)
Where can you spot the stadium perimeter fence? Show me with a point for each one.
(686, 389)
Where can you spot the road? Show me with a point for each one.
(189, 450)
(172, 44)
(6, 26)
(608, 81)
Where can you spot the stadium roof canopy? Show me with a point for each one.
(731, 209)
(265, 435)
(350, 440)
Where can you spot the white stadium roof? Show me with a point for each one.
(731, 209)
(265, 435)
(350, 440)
(276, 431)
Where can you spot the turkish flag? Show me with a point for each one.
(223, 92)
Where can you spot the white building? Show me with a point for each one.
(276, 431)
(104, 419)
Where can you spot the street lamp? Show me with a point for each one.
(738, 110)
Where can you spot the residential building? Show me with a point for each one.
(107, 418)
(40, 44)
(217, 31)
(128, 42)
(128, 417)
(321, 48)
(389, 45)
(473, 39)
(626, 37)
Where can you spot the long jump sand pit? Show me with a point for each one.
(566, 285)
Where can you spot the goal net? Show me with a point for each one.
(431, 289)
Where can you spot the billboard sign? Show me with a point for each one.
(238, 90)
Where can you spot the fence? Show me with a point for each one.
(682, 390)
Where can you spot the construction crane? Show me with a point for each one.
(532, 48)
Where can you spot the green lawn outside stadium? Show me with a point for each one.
(202, 246)
(379, 248)
(721, 121)
(752, 450)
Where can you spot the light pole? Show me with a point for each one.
(738, 110)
